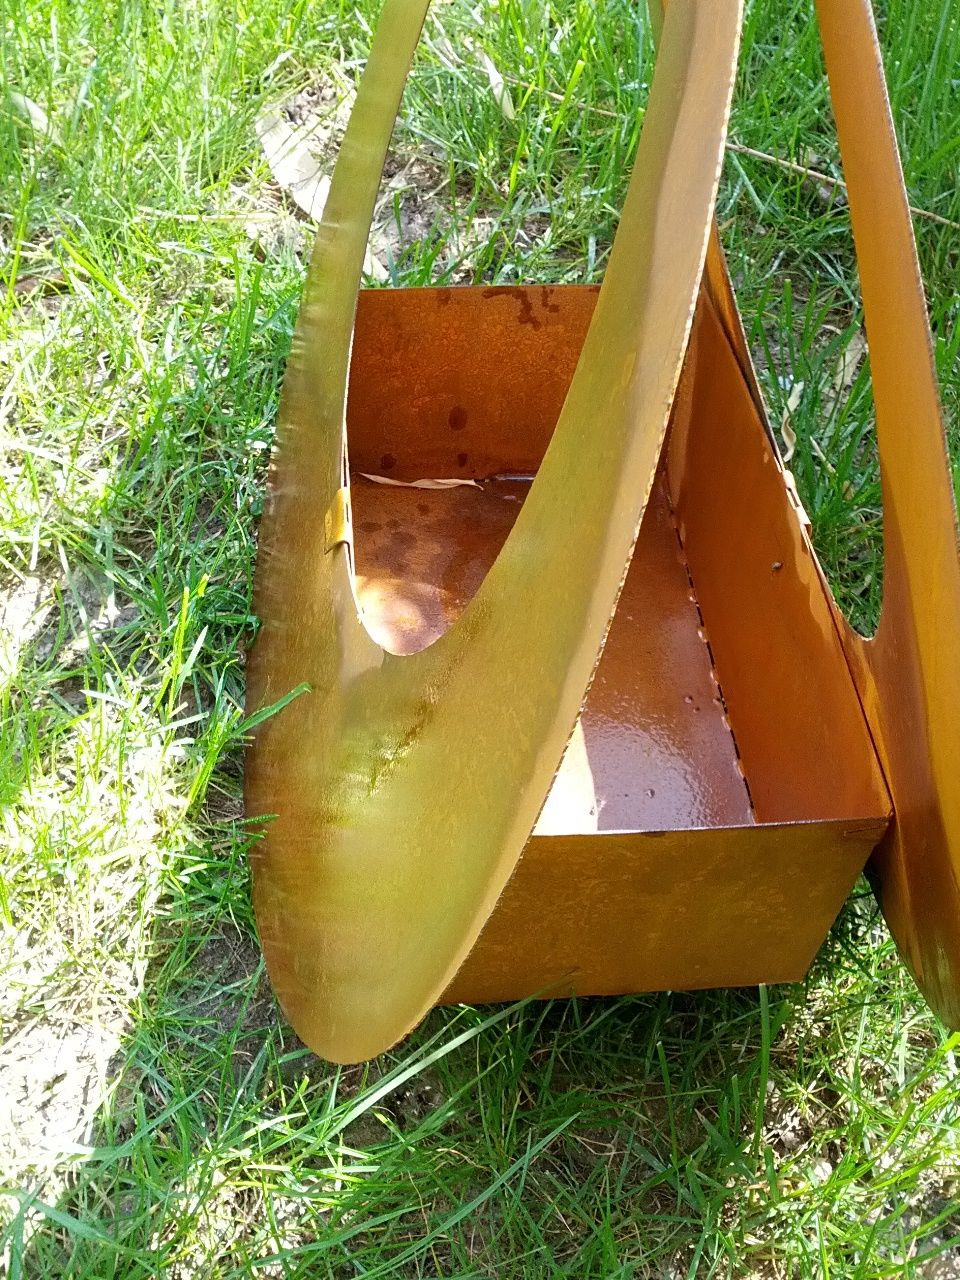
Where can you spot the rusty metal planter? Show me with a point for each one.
(594, 723)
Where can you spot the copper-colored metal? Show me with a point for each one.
(653, 749)
(368, 898)
(697, 814)
(453, 416)
(800, 729)
(665, 911)
(647, 868)
(760, 601)
(909, 674)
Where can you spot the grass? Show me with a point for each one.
(159, 1117)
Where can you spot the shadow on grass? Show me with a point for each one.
(578, 1137)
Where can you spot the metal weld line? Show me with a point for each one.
(705, 638)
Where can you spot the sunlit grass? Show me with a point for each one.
(162, 1119)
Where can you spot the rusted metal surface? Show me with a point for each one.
(368, 898)
(670, 911)
(765, 606)
(452, 416)
(688, 892)
(909, 674)
(653, 750)
(699, 811)
(800, 730)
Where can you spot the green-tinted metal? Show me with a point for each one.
(405, 788)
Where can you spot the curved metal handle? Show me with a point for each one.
(910, 434)
(908, 676)
(406, 788)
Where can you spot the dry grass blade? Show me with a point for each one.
(293, 163)
(451, 483)
(787, 432)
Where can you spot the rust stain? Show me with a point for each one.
(527, 314)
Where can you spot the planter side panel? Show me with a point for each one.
(681, 910)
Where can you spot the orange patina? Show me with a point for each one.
(586, 717)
